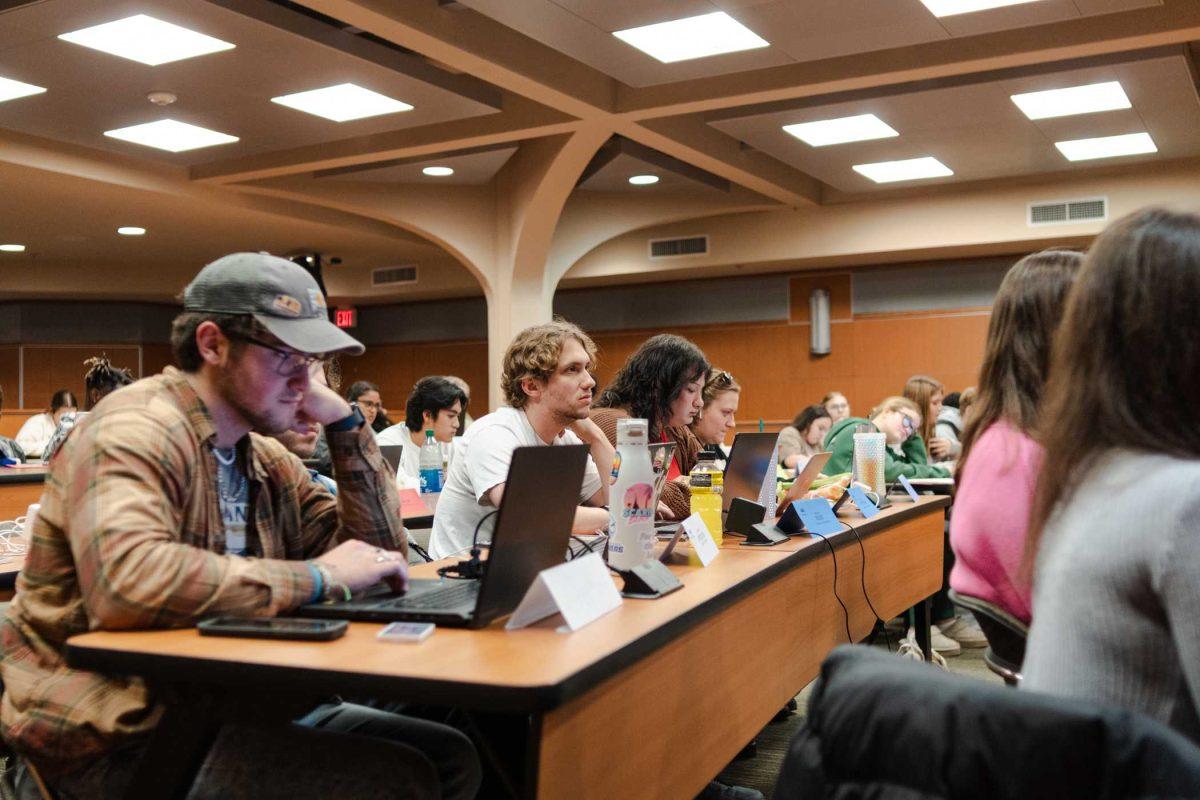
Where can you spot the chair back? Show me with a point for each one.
(1005, 633)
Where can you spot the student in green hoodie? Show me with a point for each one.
(899, 419)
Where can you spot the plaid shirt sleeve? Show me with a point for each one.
(123, 504)
(368, 506)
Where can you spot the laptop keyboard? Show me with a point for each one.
(447, 597)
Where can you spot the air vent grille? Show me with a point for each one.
(1065, 212)
(390, 276)
(671, 248)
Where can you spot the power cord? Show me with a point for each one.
(845, 611)
(863, 579)
(573, 554)
(420, 551)
(473, 568)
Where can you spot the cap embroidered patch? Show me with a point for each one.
(317, 299)
(286, 304)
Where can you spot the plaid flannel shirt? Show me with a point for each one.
(130, 536)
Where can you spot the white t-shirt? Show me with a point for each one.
(35, 434)
(481, 462)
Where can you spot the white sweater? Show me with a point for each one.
(35, 434)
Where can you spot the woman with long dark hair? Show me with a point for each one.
(998, 467)
(663, 383)
(805, 436)
(1115, 526)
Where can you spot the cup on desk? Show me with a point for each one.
(30, 517)
(869, 461)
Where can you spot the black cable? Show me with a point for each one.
(472, 568)
(845, 611)
(421, 551)
(587, 548)
(863, 579)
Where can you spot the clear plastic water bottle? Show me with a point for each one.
(430, 465)
(707, 483)
(631, 499)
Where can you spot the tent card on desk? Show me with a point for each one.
(701, 539)
(863, 502)
(908, 487)
(581, 590)
(818, 516)
(768, 495)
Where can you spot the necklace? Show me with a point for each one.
(220, 458)
(230, 480)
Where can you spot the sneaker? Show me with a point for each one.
(943, 645)
(909, 649)
(963, 630)
(719, 791)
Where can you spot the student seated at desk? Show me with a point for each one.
(436, 404)
(802, 439)
(8, 447)
(928, 393)
(37, 431)
(165, 506)
(663, 383)
(998, 468)
(899, 419)
(1116, 517)
(101, 380)
(548, 385)
(717, 416)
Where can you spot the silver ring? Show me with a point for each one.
(380, 559)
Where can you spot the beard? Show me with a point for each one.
(267, 422)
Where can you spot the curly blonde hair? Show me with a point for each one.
(534, 354)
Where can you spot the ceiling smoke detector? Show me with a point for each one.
(161, 98)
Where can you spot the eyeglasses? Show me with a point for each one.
(909, 427)
(289, 363)
(369, 404)
(720, 380)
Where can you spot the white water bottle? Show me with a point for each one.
(430, 465)
(631, 499)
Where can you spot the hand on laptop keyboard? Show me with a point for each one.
(358, 565)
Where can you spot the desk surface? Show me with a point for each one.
(26, 474)
(491, 669)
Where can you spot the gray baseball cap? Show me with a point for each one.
(281, 295)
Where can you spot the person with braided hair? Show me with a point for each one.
(101, 379)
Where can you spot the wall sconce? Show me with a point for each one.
(818, 316)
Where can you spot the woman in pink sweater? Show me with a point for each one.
(997, 471)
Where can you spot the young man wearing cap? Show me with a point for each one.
(548, 383)
(164, 507)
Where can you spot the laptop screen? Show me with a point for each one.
(748, 463)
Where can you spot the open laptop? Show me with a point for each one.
(805, 476)
(749, 460)
(391, 454)
(533, 526)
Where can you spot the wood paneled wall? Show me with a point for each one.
(396, 367)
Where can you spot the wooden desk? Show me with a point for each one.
(18, 488)
(717, 659)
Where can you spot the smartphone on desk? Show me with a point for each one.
(313, 630)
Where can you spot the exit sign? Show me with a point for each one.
(345, 317)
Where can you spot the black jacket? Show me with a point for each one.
(879, 726)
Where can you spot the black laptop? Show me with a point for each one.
(750, 459)
(391, 454)
(532, 530)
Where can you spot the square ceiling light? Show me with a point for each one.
(342, 103)
(910, 169)
(168, 134)
(11, 90)
(146, 39)
(692, 37)
(839, 131)
(1088, 99)
(948, 8)
(1129, 144)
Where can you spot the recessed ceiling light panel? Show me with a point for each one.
(1075, 100)
(948, 8)
(438, 172)
(910, 169)
(147, 40)
(1129, 144)
(131, 230)
(11, 90)
(824, 132)
(168, 134)
(692, 37)
(12, 248)
(643, 180)
(342, 103)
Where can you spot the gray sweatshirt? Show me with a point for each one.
(1116, 596)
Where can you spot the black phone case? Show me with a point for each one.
(238, 628)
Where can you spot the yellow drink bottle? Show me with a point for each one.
(707, 483)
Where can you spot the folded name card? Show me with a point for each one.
(581, 590)
(908, 487)
(817, 516)
(863, 502)
(701, 539)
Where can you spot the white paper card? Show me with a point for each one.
(768, 494)
(581, 590)
(701, 539)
